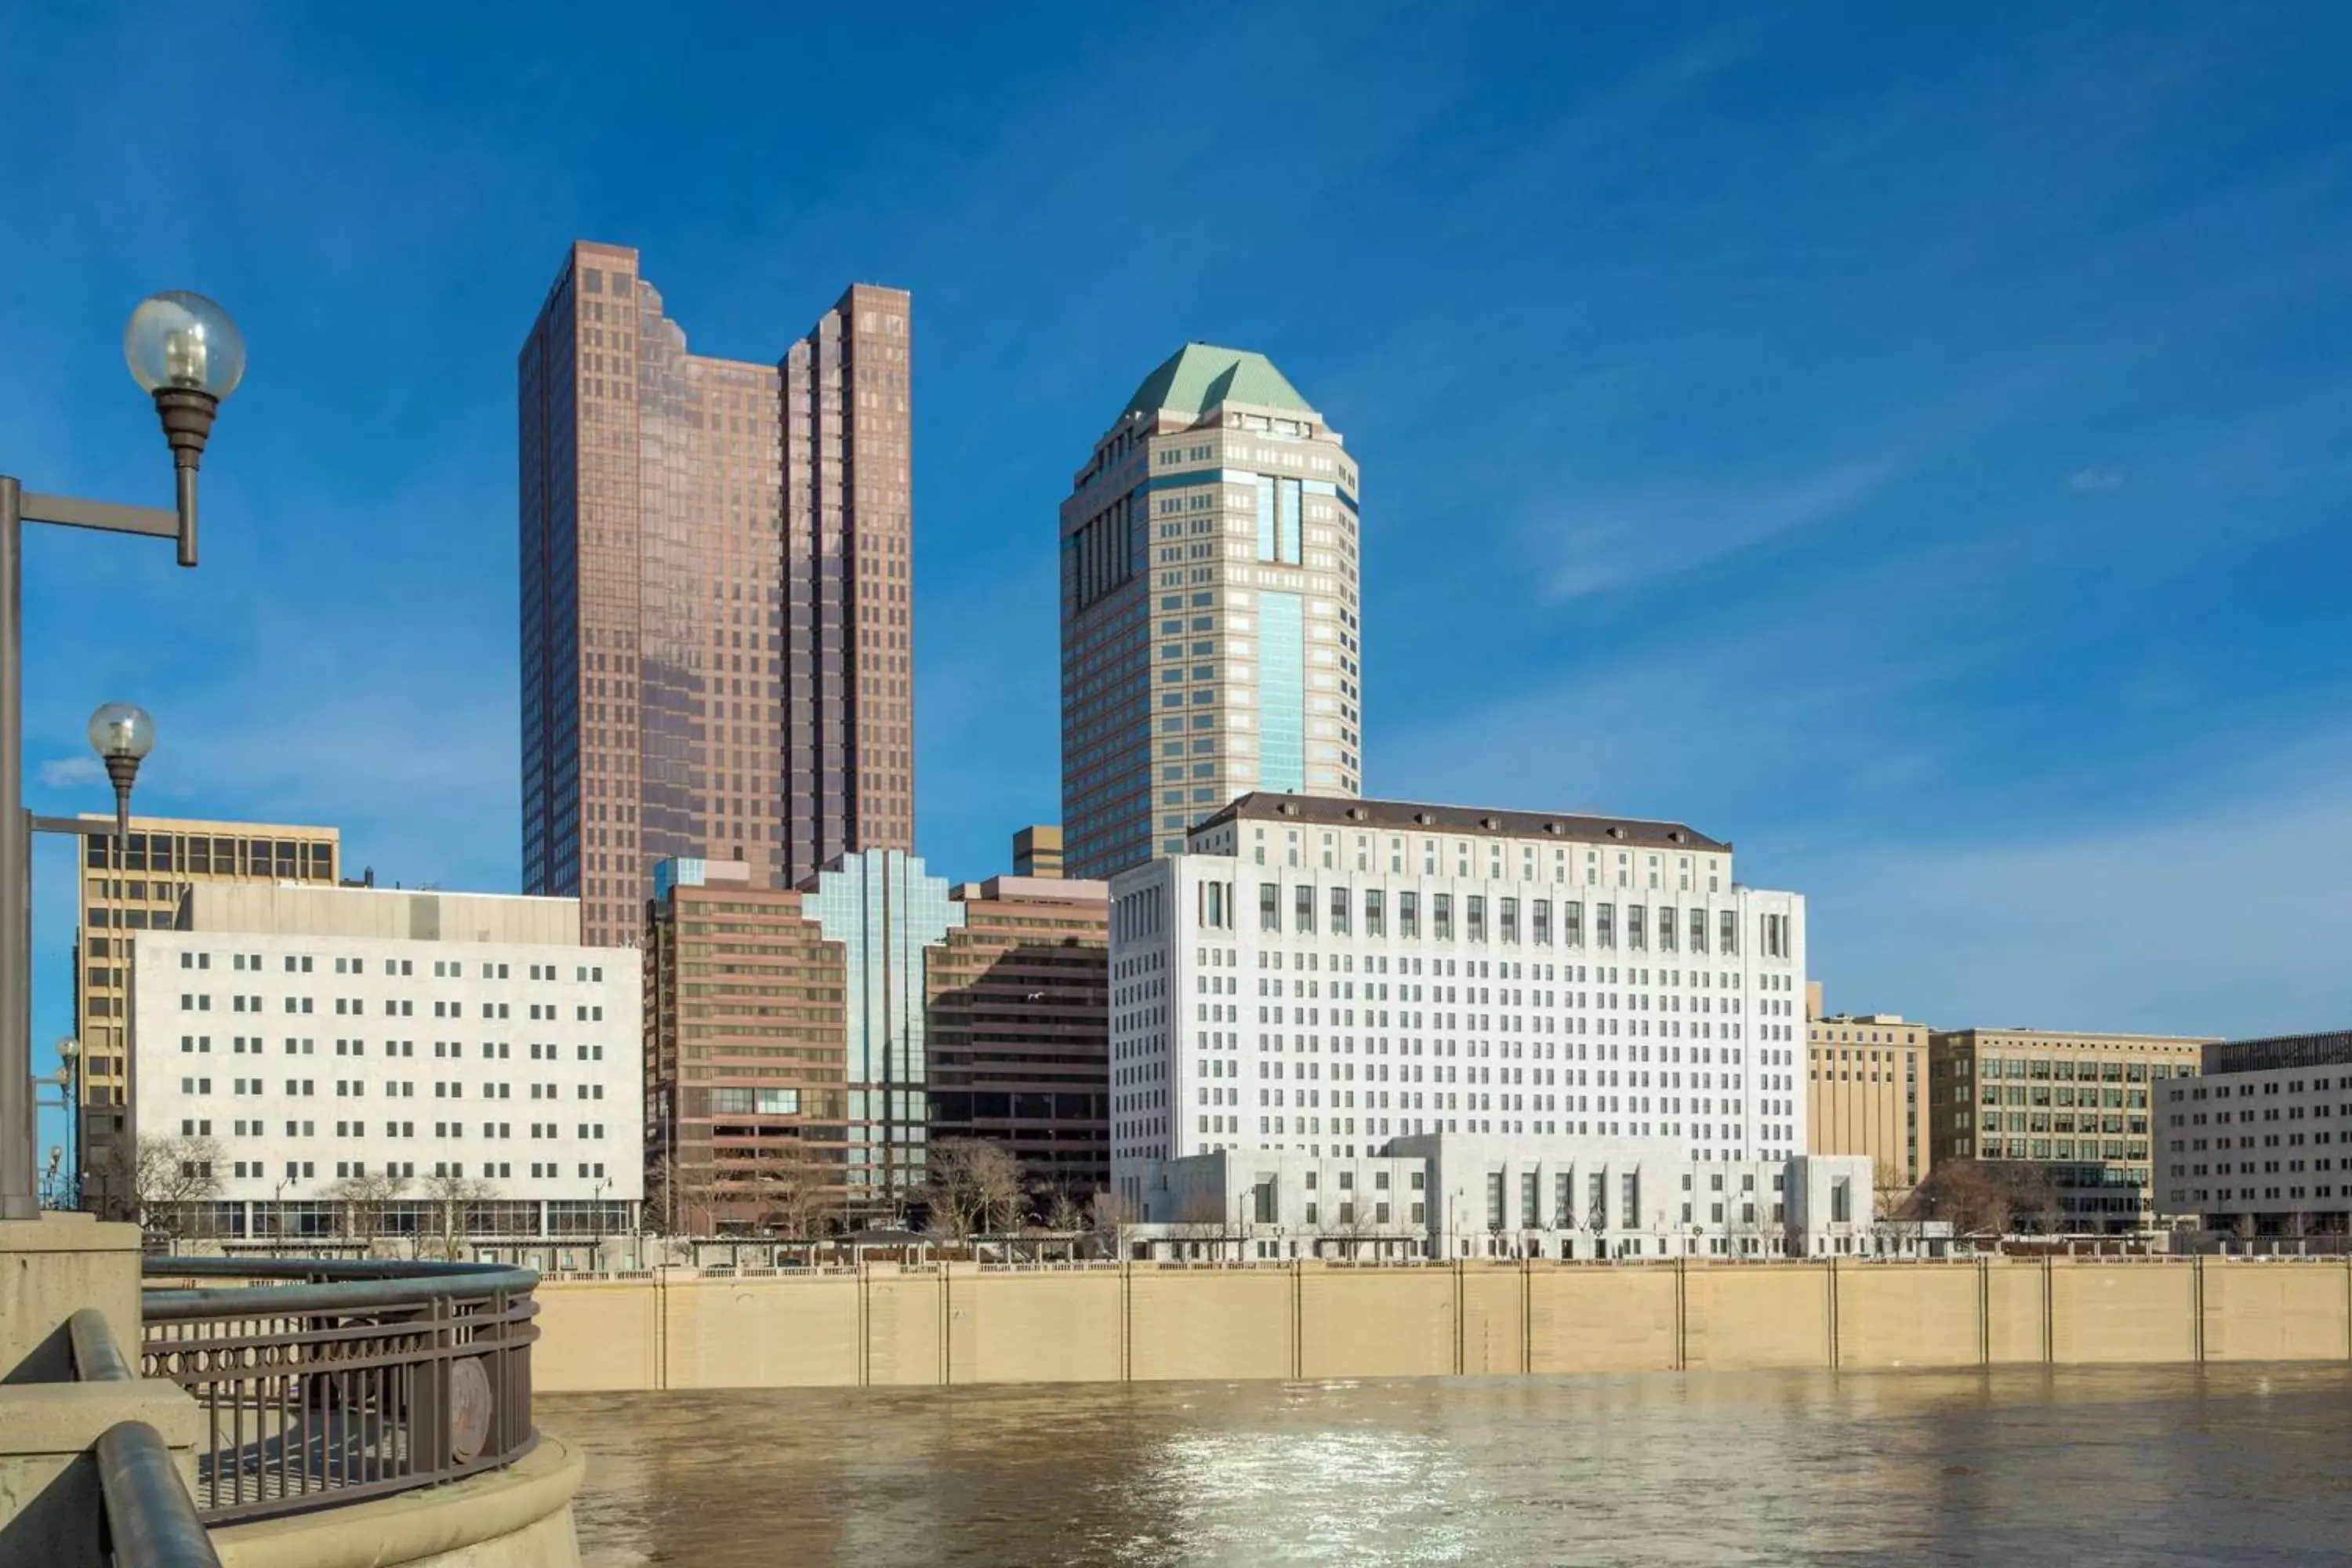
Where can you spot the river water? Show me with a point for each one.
(2236, 1465)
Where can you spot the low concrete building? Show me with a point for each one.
(2262, 1143)
(1467, 1196)
(2072, 1111)
(364, 1062)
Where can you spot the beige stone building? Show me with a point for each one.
(1211, 643)
(1863, 1073)
(2080, 1105)
(139, 884)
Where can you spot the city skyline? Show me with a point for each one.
(1972, 599)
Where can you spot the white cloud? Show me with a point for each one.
(2094, 479)
(68, 772)
(1614, 542)
(2221, 921)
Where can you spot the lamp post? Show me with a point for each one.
(187, 354)
(70, 1055)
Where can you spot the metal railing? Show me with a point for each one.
(331, 1381)
(150, 1522)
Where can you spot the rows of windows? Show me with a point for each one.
(444, 969)
(1344, 911)
(260, 1126)
(306, 1045)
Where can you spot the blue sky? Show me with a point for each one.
(1908, 442)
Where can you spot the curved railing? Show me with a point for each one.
(331, 1381)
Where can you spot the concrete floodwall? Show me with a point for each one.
(962, 1323)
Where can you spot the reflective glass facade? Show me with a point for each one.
(884, 909)
(1281, 693)
(698, 537)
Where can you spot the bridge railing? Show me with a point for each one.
(324, 1382)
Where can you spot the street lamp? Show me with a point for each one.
(187, 354)
(70, 1055)
(122, 735)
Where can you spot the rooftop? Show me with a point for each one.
(1199, 377)
(2328, 1049)
(1328, 811)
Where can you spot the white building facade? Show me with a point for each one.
(1322, 975)
(349, 1038)
(1443, 1195)
(2261, 1142)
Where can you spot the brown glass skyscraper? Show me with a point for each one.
(715, 565)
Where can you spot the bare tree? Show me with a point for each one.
(975, 1186)
(681, 1197)
(1968, 1193)
(163, 1182)
(447, 1216)
(1106, 1213)
(363, 1201)
(2033, 1194)
(1358, 1222)
(793, 1197)
(1065, 1211)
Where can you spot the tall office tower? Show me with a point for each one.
(138, 885)
(670, 603)
(1210, 639)
(848, 607)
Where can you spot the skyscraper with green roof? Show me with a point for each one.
(1210, 639)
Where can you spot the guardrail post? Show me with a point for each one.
(428, 1396)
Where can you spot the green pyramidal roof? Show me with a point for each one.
(1199, 377)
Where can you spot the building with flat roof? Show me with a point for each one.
(1863, 1073)
(138, 885)
(2261, 1142)
(332, 1048)
(1211, 638)
(716, 571)
(1018, 1017)
(1447, 1194)
(2076, 1106)
(1037, 850)
(747, 1094)
(1325, 975)
(804, 1047)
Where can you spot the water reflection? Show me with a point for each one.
(2239, 1464)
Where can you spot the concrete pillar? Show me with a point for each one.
(49, 1268)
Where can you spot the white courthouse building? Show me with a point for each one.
(1321, 976)
(1446, 1194)
(316, 1035)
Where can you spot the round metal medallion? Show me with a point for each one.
(469, 1408)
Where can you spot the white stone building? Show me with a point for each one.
(1492, 1195)
(317, 1035)
(1322, 975)
(2261, 1144)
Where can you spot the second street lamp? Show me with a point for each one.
(122, 735)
